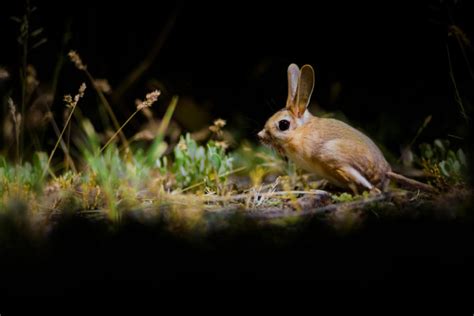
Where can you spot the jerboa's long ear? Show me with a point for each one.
(305, 89)
(293, 77)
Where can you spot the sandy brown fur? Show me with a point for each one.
(327, 147)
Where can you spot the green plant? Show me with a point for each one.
(23, 178)
(194, 164)
(28, 39)
(343, 197)
(445, 165)
(252, 156)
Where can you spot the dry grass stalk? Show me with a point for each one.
(70, 103)
(151, 98)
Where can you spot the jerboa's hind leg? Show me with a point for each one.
(354, 179)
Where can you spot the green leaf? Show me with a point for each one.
(192, 146)
(462, 157)
(159, 150)
(200, 154)
(39, 43)
(216, 162)
(15, 19)
(183, 171)
(3, 162)
(451, 156)
(444, 168)
(202, 165)
(40, 160)
(456, 166)
(439, 144)
(37, 32)
(426, 151)
(92, 136)
(179, 155)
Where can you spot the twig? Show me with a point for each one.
(265, 194)
(319, 210)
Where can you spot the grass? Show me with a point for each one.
(115, 179)
(112, 177)
(190, 181)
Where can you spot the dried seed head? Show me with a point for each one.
(12, 107)
(70, 102)
(4, 74)
(16, 117)
(76, 59)
(222, 144)
(18, 122)
(217, 127)
(68, 99)
(220, 123)
(82, 89)
(31, 79)
(150, 99)
(102, 85)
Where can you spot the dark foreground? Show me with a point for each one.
(404, 258)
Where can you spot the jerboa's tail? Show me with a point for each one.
(410, 182)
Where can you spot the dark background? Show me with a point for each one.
(391, 60)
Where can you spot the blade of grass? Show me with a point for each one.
(161, 130)
(422, 127)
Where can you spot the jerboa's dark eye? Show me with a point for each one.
(283, 125)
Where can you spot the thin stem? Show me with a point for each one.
(103, 99)
(68, 160)
(55, 80)
(63, 144)
(24, 64)
(59, 139)
(464, 54)
(422, 127)
(118, 131)
(17, 140)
